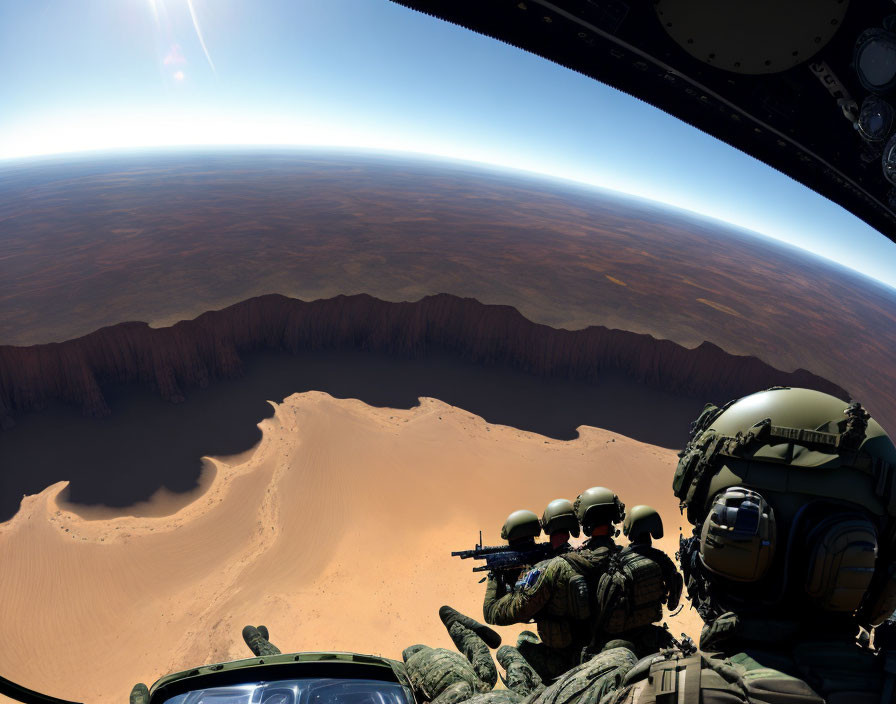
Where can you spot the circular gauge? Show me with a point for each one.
(875, 60)
(875, 121)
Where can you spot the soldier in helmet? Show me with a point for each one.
(792, 498)
(559, 522)
(598, 509)
(555, 594)
(520, 531)
(792, 495)
(631, 594)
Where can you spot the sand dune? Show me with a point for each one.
(335, 532)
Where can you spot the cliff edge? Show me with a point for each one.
(192, 353)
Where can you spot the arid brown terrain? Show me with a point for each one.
(192, 353)
(483, 358)
(164, 238)
(468, 342)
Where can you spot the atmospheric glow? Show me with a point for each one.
(122, 130)
(370, 74)
(167, 128)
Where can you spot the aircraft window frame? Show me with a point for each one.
(298, 691)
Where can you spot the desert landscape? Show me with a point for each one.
(335, 532)
(489, 360)
(166, 237)
(282, 388)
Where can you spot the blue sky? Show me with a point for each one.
(112, 74)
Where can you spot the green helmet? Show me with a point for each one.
(560, 515)
(598, 505)
(792, 493)
(642, 522)
(520, 525)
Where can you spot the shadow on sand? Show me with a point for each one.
(147, 443)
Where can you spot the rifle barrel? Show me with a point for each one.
(480, 551)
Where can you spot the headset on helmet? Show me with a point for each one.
(793, 496)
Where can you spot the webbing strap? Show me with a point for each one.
(844, 444)
(692, 680)
(665, 682)
(813, 439)
(677, 680)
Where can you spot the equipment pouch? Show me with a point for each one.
(684, 472)
(579, 606)
(842, 555)
(690, 679)
(880, 600)
(631, 593)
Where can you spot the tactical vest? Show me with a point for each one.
(632, 591)
(674, 678)
(565, 619)
(677, 679)
(569, 603)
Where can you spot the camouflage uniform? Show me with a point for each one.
(474, 639)
(600, 545)
(438, 674)
(794, 549)
(600, 550)
(520, 676)
(472, 647)
(529, 647)
(590, 681)
(808, 672)
(556, 594)
(640, 580)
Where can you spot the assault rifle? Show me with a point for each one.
(502, 558)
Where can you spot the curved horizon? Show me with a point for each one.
(469, 160)
(372, 74)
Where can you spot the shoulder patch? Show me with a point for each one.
(528, 579)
